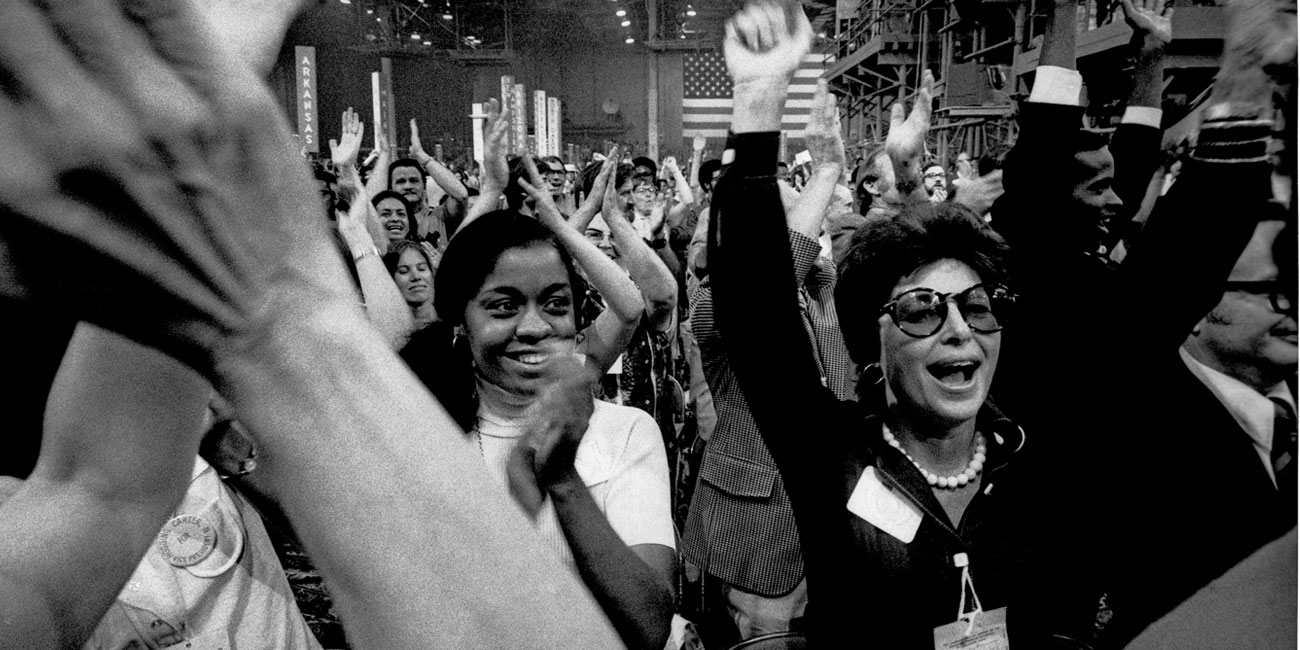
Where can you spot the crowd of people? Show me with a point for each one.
(1046, 395)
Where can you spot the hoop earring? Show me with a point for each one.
(873, 373)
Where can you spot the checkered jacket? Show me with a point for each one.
(740, 527)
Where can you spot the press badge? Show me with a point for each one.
(884, 508)
(977, 631)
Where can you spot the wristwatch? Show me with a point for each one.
(357, 257)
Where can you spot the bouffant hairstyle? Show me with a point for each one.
(885, 251)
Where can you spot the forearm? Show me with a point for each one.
(1059, 39)
(488, 198)
(378, 180)
(444, 178)
(684, 193)
(387, 311)
(606, 338)
(1148, 77)
(345, 428)
(651, 275)
(121, 434)
(619, 291)
(806, 218)
(758, 106)
(637, 600)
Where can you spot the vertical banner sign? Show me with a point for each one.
(376, 108)
(477, 117)
(540, 123)
(389, 99)
(508, 104)
(307, 127)
(519, 119)
(553, 125)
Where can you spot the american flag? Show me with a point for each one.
(706, 95)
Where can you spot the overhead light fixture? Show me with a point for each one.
(428, 42)
(370, 11)
(630, 40)
(346, 2)
(620, 13)
(447, 16)
(625, 23)
(415, 37)
(690, 13)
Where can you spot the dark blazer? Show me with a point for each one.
(1174, 537)
(1091, 369)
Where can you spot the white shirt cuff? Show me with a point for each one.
(1144, 115)
(1056, 85)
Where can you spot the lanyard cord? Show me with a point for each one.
(963, 561)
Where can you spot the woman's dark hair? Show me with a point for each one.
(469, 259)
(395, 250)
(886, 251)
(412, 226)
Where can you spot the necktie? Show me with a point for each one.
(1284, 457)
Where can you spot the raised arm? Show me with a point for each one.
(122, 426)
(592, 203)
(749, 245)
(610, 334)
(443, 177)
(826, 147)
(378, 180)
(685, 196)
(384, 304)
(208, 247)
(1136, 142)
(495, 172)
(905, 143)
(651, 275)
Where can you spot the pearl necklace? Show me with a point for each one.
(953, 482)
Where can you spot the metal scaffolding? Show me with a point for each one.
(983, 55)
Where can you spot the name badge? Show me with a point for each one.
(186, 540)
(976, 631)
(884, 508)
(209, 640)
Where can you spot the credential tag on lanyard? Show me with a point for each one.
(988, 632)
(216, 640)
(884, 508)
(976, 629)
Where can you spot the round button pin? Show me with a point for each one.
(186, 540)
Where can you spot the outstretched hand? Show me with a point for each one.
(545, 457)
(1150, 19)
(591, 204)
(545, 210)
(344, 150)
(766, 41)
(417, 147)
(822, 135)
(905, 142)
(495, 129)
(194, 219)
